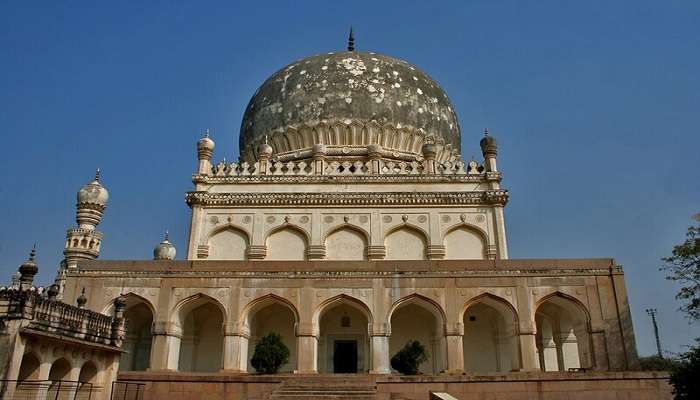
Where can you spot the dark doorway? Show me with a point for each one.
(345, 356)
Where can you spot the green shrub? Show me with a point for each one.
(409, 358)
(270, 354)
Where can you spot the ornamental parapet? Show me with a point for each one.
(347, 168)
(56, 318)
(488, 197)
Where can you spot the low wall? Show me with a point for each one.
(512, 386)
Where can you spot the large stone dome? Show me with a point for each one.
(347, 101)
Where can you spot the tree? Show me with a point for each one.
(684, 268)
(270, 354)
(409, 358)
(686, 385)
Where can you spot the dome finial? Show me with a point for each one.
(206, 133)
(486, 131)
(32, 253)
(351, 40)
(97, 175)
(167, 235)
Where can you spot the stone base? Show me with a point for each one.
(517, 385)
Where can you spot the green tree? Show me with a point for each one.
(684, 268)
(686, 385)
(270, 354)
(409, 358)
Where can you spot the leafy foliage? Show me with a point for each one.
(656, 363)
(684, 378)
(409, 358)
(270, 354)
(684, 267)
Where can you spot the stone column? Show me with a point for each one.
(528, 352)
(380, 354)
(455, 353)
(307, 350)
(236, 352)
(165, 348)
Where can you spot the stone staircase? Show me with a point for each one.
(350, 387)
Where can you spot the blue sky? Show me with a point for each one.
(595, 105)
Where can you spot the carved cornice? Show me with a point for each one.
(489, 197)
(315, 179)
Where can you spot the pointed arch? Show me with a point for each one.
(340, 299)
(464, 241)
(29, 368)
(286, 249)
(139, 314)
(418, 318)
(496, 302)
(417, 298)
(132, 299)
(263, 301)
(403, 237)
(562, 333)
(189, 303)
(345, 246)
(490, 341)
(228, 242)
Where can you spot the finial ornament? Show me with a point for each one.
(97, 174)
(351, 41)
(32, 253)
(166, 235)
(206, 133)
(486, 131)
(265, 139)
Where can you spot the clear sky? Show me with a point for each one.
(595, 104)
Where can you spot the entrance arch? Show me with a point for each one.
(272, 314)
(418, 318)
(29, 368)
(490, 336)
(201, 319)
(343, 342)
(139, 337)
(562, 334)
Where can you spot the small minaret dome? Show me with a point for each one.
(205, 144)
(165, 250)
(488, 144)
(93, 192)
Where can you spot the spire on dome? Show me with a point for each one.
(97, 174)
(351, 41)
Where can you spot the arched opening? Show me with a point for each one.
(29, 368)
(286, 244)
(419, 319)
(562, 337)
(346, 244)
(139, 338)
(405, 243)
(463, 243)
(87, 380)
(490, 340)
(272, 315)
(228, 244)
(60, 371)
(201, 345)
(343, 343)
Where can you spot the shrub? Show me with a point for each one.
(409, 358)
(270, 354)
(684, 378)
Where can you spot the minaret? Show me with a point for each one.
(83, 242)
(205, 151)
(489, 149)
(27, 271)
(164, 250)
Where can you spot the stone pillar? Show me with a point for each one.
(319, 157)
(374, 151)
(307, 350)
(528, 352)
(429, 151)
(236, 353)
(165, 351)
(380, 355)
(455, 353)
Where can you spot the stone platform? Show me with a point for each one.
(628, 385)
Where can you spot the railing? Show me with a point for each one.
(336, 168)
(127, 390)
(55, 316)
(47, 390)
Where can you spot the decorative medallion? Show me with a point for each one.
(446, 218)
(363, 219)
(404, 218)
(463, 217)
(346, 150)
(328, 219)
(480, 218)
(287, 218)
(509, 292)
(229, 219)
(270, 219)
(346, 219)
(214, 219)
(304, 219)
(387, 218)
(247, 219)
(422, 218)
